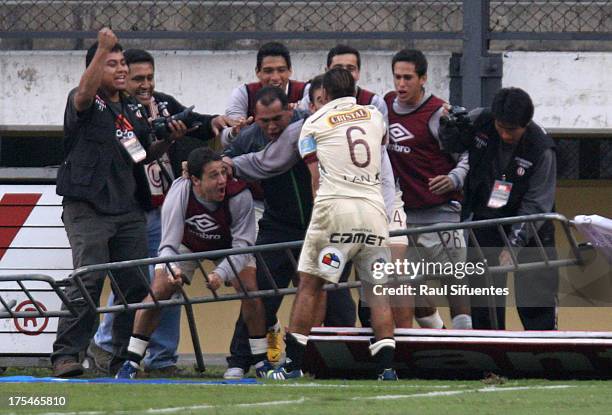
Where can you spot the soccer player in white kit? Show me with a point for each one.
(341, 143)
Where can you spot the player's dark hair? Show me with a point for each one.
(199, 158)
(414, 56)
(266, 96)
(338, 83)
(138, 56)
(316, 83)
(92, 51)
(273, 49)
(343, 50)
(513, 107)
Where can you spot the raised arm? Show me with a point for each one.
(92, 77)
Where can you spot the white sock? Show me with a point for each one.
(433, 321)
(258, 345)
(137, 346)
(375, 348)
(462, 322)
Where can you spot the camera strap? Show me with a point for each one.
(159, 173)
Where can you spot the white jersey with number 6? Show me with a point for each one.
(346, 139)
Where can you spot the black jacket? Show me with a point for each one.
(483, 157)
(92, 149)
(483, 143)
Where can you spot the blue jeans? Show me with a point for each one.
(162, 351)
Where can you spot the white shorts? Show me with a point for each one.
(341, 231)
(431, 247)
(398, 221)
(258, 206)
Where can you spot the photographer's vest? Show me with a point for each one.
(364, 97)
(415, 154)
(86, 169)
(484, 156)
(207, 230)
(295, 92)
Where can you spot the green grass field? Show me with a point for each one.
(311, 396)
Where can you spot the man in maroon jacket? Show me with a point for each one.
(273, 68)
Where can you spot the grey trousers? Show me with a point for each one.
(96, 238)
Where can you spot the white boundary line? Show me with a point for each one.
(432, 394)
(386, 385)
(182, 408)
(459, 392)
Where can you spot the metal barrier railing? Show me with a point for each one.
(574, 258)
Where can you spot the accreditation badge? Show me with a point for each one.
(500, 194)
(133, 147)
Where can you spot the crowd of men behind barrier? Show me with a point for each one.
(127, 194)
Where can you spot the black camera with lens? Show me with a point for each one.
(456, 129)
(161, 125)
(457, 116)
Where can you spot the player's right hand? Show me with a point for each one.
(220, 122)
(175, 279)
(214, 281)
(230, 166)
(440, 185)
(446, 109)
(505, 258)
(106, 39)
(242, 123)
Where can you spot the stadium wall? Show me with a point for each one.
(34, 85)
(570, 89)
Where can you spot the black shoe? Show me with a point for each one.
(100, 357)
(67, 367)
(387, 374)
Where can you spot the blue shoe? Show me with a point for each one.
(280, 373)
(263, 369)
(128, 370)
(388, 374)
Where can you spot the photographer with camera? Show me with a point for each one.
(186, 130)
(512, 173)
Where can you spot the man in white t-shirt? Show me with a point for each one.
(341, 143)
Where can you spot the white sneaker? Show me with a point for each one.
(234, 373)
